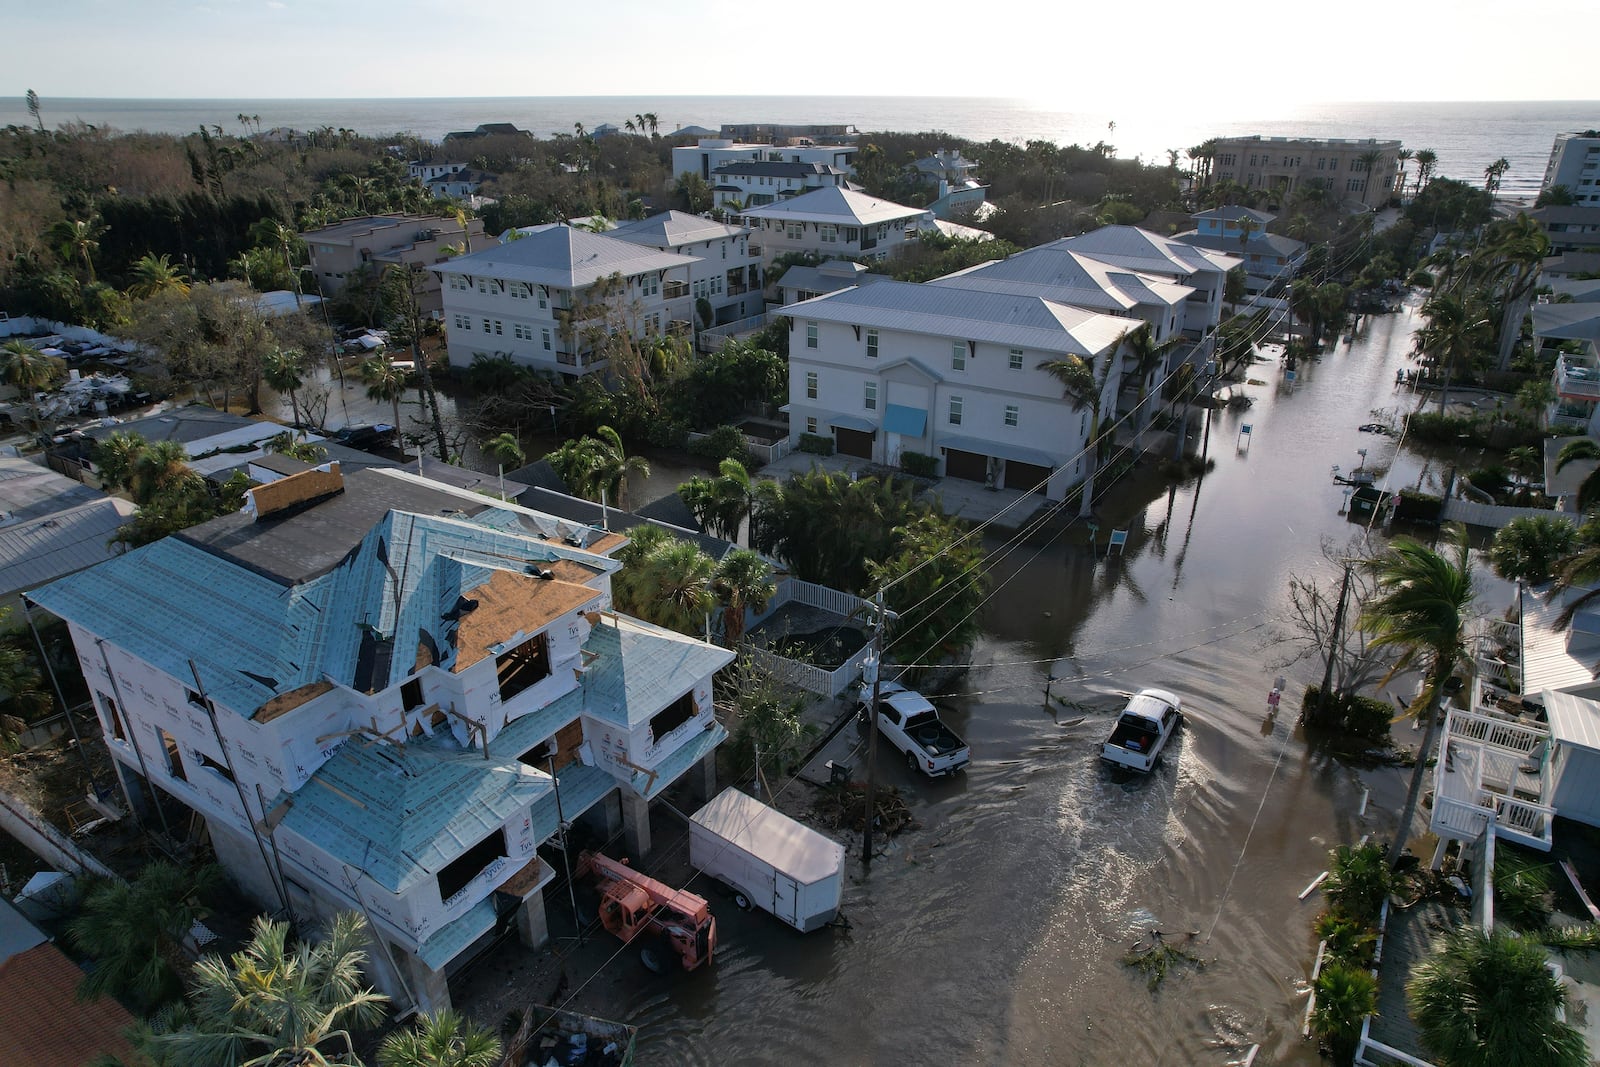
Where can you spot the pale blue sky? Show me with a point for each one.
(1134, 56)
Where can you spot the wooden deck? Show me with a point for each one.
(1409, 940)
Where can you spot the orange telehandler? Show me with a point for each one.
(633, 904)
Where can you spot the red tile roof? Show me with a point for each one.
(42, 1021)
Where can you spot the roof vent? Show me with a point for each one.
(541, 573)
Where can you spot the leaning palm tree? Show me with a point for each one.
(136, 932)
(1420, 608)
(284, 369)
(742, 580)
(1085, 389)
(154, 275)
(442, 1040)
(273, 1005)
(78, 239)
(385, 382)
(29, 371)
(1574, 451)
(1452, 336)
(1489, 1000)
(616, 466)
(116, 457)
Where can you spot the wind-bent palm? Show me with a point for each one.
(270, 1005)
(722, 503)
(1589, 488)
(1489, 1000)
(506, 449)
(1420, 608)
(1453, 334)
(442, 1040)
(1147, 356)
(284, 370)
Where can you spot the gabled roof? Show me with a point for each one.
(1260, 244)
(1568, 322)
(42, 1021)
(639, 669)
(970, 314)
(843, 207)
(36, 550)
(1057, 273)
(400, 813)
(563, 258)
(1136, 249)
(673, 229)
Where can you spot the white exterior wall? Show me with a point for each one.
(614, 743)
(772, 236)
(709, 154)
(1046, 421)
(1575, 163)
(709, 273)
(1577, 787)
(756, 190)
(493, 301)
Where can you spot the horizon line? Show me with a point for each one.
(44, 98)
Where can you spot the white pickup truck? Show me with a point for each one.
(1143, 730)
(909, 723)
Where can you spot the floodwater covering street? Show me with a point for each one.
(994, 932)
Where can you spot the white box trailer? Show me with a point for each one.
(769, 860)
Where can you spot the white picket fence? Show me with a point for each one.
(712, 337)
(813, 679)
(762, 452)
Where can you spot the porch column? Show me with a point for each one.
(429, 986)
(702, 779)
(635, 823)
(605, 818)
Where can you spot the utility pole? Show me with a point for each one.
(873, 673)
(1333, 647)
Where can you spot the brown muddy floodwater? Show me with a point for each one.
(995, 932)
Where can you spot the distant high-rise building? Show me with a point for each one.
(1575, 163)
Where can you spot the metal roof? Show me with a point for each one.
(640, 669)
(1574, 718)
(761, 168)
(1235, 213)
(563, 258)
(673, 229)
(1057, 273)
(832, 204)
(984, 446)
(40, 549)
(1137, 249)
(1569, 322)
(1552, 658)
(969, 314)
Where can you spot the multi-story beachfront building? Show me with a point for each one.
(1357, 171)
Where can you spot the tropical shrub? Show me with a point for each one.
(1345, 996)
(815, 444)
(1358, 881)
(1522, 894)
(1351, 713)
(725, 442)
(919, 465)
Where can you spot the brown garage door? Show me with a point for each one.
(1029, 477)
(856, 443)
(968, 465)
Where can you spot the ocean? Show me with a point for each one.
(1467, 137)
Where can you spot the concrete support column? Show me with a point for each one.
(132, 789)
(635, 823)
(429, 986)
(532, 927)
(605, 818)
(702, 779)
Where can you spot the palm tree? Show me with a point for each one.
(153, 275)
(442, 1040)
(1489, 1000)
(1492, 175)
(1419, 608)
(136, 932)
(116, 457)
(1426, 159)
(385, 381)
(505, 448)
(654, 123)
(598, 466)
(78, 239)
(1400, 159)
(1345, 997)
(1148, 355)
(270, 1005)
(742, 580)
(721, 504)
(29, 371)
(1589, 489)
(664, 580)
(1453, 334)
(295, 446)
(1529, 547)
(162, 469)
(284, 371)
(1084, 389)
(1510, 263)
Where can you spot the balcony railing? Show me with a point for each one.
(737, 288)
(674, 290)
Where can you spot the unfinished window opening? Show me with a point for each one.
(438, 718)
(169, 748)
(113, 717)
(196, 699)
(524, 666)
(464, 868)
(216, 766)
(411, 694)
(672, 716)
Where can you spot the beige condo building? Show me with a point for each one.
(1353, 170)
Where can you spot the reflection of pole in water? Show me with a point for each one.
(1188, 531)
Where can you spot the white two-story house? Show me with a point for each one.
(757, 183)
(895, 368)
(1203, 270)
(709, 153)
(379, 693)
(551, 298)
(1270, 260)
(725, 273)
(834, 222)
